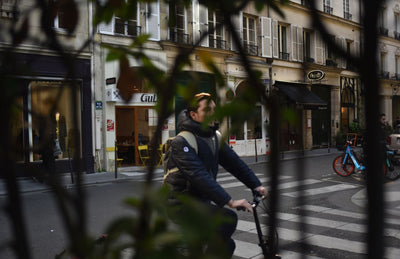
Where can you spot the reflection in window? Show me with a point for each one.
(17, 129)
(51, 105)
(252, 127)
(254, 130)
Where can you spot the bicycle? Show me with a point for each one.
(269, 247)
(345, 164)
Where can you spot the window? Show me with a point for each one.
(250, 129)
(127, 26)
(308, 46)
(33, 129)
(7, 9)
(283, 42)
(215, 28)
(178, 28)
(346, 10)
(61, 20)
(330, 56)
(382, 23)
(396, 64)
(382, 66)
(327, 7)
(396, 26)
(249, 35)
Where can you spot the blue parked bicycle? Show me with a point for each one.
(345, 164)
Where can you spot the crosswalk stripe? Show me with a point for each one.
(238, 183)
(249, 250)
(297, 183)
(343, 213)
(330, 211)
(321, 190)
(318, 240)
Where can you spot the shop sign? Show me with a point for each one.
(99, 105)
(111, 81)
(148, 98)
(110, 125)
(232, 140)
(112, 95)
(315, 75)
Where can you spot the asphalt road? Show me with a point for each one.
(333, 225)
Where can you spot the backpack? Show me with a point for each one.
(191, 140)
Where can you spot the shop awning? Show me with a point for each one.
(299, 94)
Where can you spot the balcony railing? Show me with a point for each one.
(328, 9)
(309, 59)
(384, 75)
(331, 63)
(383, 31)
(396, 35)
(217, 43)
(251, 49)
(284, 55)
(134, 30)
(348, 16)
(179, 37)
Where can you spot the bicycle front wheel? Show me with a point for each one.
(340, 169)
(270, 235)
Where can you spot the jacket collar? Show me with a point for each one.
(185, 122)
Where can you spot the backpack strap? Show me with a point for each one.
(190, 138)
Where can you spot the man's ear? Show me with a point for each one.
(192, 114)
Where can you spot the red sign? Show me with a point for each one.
(110, 125)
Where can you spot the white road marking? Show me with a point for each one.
(322, 190)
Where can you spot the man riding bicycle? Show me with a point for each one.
(196, 172)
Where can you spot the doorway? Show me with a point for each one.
(135, 126)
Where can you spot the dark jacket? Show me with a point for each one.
(197, 172)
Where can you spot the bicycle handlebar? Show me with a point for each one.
(257, 198)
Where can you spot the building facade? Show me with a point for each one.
(322, 90)
(53, 100)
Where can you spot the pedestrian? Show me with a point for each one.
(198, 170)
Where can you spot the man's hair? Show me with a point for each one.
(194, 104)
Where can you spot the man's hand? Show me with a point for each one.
(261, 190)
(240, 204)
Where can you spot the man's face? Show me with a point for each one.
(205, 110)
(383, 120)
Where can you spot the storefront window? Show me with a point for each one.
(52, 116)
(17, 129)
(254, 130)
(252, 127)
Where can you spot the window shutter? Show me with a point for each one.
(203, 22)
(237, 21)
(340, 42)
(153, 20)
(195, 23)
(300, 44)
(275, 38)
(293, 33)
(319, 49)
(266, 36)
(106, 28)
(356, 51)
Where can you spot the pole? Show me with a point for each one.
(115, 159)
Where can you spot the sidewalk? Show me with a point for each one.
(26, 184)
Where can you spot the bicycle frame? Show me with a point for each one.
(353, 158)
